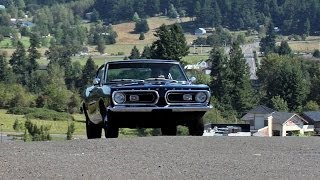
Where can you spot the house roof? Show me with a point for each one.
(282, 117)
(261, 109)
(311, 116)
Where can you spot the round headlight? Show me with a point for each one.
(119, 98)
(201, 97)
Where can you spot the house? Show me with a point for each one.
(27, 24)
(201, 65)
(313, 118)
(265, 121)
(200, 32)
(284, 123)
(256, 117)
(88, 16)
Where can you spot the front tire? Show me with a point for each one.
(196, 127)
(169, 131)
(93, 130)
(111, 130)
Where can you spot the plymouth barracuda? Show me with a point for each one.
(146, 93)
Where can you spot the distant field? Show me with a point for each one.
(126, 34)
(304, 46)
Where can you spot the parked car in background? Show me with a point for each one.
(144, 94)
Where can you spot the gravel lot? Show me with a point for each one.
(181, 157)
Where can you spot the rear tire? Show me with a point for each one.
(196, 127)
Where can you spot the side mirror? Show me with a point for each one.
(96, 81)
(193, 79)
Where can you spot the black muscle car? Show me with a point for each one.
(144, 94)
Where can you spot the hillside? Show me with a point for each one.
(127, 36)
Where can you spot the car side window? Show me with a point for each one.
(100, 73)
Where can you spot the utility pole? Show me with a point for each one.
(1, 131)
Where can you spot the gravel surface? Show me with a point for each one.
(181, 157)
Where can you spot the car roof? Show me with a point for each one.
(143, 61)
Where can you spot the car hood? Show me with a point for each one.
(157, 84)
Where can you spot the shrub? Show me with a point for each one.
(17, 126)
(20, 110)
(37, 133)
(316, 53)
(70, 131)
(40, 113)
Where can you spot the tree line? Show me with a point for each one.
(291, 16)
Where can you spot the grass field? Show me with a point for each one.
(57, 127)
(304, 46)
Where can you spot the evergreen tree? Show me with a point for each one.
(61, 55)
(19, 63)
(135, 54)
(146, 53)
(221, 83)
(33, 53)
(219, 72)
(243, 97)
(284, 48)
(141, 26)
(268, 43)
(95, 16)
(172, 12)
(306, 27)
(141, 37)
(171, 43)
(135, 17)
(101, 46)
(88, 73)
(217, 17)
(4, 69)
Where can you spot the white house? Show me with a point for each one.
(265, 121)
(200, 32)
(201, 65)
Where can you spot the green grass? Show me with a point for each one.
(57, 127)
(6, 43)
(193, 59)
(114, 49)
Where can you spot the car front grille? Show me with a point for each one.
(180, 97)
(140, 97)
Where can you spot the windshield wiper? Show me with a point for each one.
(161, 79)
(126, 80)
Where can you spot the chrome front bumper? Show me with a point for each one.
(156, 108)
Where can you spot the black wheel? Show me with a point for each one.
(169, 128)
(111, 130)
(93, 130)
(196, 127)
(169, 131)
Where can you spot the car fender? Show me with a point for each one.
(96, 99)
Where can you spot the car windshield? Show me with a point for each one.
(144, 72)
